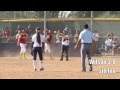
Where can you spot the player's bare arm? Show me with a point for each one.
(79, 41)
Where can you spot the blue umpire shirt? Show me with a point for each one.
(86, 36)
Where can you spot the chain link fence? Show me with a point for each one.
(56, 20)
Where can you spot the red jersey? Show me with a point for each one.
(6, 32)
(23, 38)
(49, 38)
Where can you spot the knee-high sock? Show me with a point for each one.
(24, 55)
(34, 64)
(41, 63)
(66, 55)
(21, 54)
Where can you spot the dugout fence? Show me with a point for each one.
(102, 25)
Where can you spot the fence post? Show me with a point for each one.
(91, 20)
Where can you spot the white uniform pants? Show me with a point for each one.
(23, 47)
(47, 48)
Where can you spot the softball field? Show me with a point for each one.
(14, 68)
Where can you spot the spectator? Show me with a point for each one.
(67, 30)
(108, 45)
(96, 43)
(59, 40)
(29, 30)
(110, 35)
(76, 36)
(1, 34)
(6, 33)
(19, 27)
(115, 45)
(17, 36)
(58, 37)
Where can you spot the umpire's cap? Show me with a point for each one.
(86, 26)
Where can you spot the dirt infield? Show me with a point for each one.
(13, 68)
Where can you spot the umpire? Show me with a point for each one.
(86, 39)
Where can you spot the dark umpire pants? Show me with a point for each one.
(85, 49)
(64, 50)
(39, 51)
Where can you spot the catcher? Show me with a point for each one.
(65, 47)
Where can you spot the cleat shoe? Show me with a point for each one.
(61, 59)
(90, 69)
(66, 59)
(41, 69)
(83, 70)
(35, 69)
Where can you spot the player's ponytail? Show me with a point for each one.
(38, 35)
